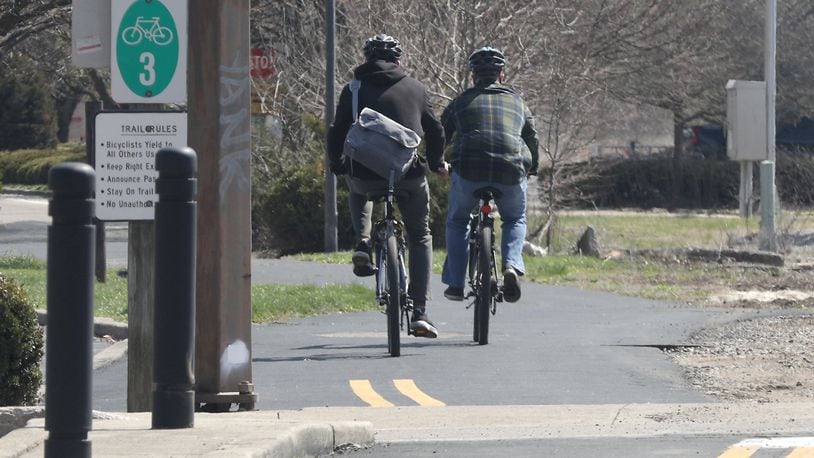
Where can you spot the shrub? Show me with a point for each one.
(28, 117)
(288, 215)
(31, 166)
(20, 346)
(439, 200)
(704, 183)
(794, 175)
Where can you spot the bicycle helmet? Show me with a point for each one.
(487, 60)
(382, 47)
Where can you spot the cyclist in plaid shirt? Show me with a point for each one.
(494, 143)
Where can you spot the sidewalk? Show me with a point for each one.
(317, 431)
(237, 434)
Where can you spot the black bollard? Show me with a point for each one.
(69, 340)
(174, 317)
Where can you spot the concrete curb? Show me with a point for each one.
(12, 418)
(110, 355)
(233, 434)
(11, 190)
(101, 326)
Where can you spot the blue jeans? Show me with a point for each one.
(512, 208)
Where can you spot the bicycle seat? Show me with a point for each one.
(381, 196)
(487, 192)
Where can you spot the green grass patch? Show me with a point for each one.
(269, 302)
(343, 257)
(652, 231)
(275, 302)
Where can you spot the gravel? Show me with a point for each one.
(763, 359)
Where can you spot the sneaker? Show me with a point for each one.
(362, 266)
(454, 293)
(421, 326)
(511, 285)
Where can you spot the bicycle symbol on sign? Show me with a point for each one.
(149, 29)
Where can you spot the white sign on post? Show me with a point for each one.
(90, 33)
(148, 56)
(126, 144)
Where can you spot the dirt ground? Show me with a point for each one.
(767, 359)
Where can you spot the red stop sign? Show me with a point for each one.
(262, 63)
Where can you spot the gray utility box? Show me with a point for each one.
(746, 120)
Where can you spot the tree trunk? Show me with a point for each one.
(678, 154)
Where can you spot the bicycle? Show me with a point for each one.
(149, 29)
(389, 248)
(482, 268)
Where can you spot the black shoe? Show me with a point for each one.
(362, 266)
(421, 326)
(454, 293)
(511, 285)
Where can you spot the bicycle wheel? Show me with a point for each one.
(474, 251)
(483, 301)
(132, 35)
(162, 36)
(393, 295)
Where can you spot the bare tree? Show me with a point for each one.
(20, 19)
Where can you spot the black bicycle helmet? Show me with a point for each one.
(382, 47)
(487, 60)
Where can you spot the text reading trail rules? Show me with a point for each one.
(126, 145)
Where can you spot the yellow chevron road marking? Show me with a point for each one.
(802, 452)
(366, 393)
(408, 388)
(737, 451)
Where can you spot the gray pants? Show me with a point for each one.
(415, 213)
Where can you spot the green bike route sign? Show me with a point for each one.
(148, 51)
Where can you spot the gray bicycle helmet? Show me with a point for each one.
(382, 47)
(487, 60)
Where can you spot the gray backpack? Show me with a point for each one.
(378, 142)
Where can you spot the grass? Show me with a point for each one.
(668, 279)
(653, 230)
(269, 302)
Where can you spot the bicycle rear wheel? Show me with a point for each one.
(483, 301)
(473, 280)
(393, 296)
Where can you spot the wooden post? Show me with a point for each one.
(140, 262)
(219, 90)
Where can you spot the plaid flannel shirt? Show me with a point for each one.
(492, 135)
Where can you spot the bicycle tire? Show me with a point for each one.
(473, 280)
(393, 295)
(472, 263)
(132, 35)
(483, 301)
(162, 36)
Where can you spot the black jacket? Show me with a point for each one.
(387, 89)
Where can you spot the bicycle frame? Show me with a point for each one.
(482, 267)
(389, 224)
(388, 233)
(478, 220)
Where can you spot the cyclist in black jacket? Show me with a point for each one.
(386, 88)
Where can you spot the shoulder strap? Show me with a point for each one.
(354, 88)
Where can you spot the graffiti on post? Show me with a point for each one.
(235, 140)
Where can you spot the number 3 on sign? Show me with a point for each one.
(147, 77)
